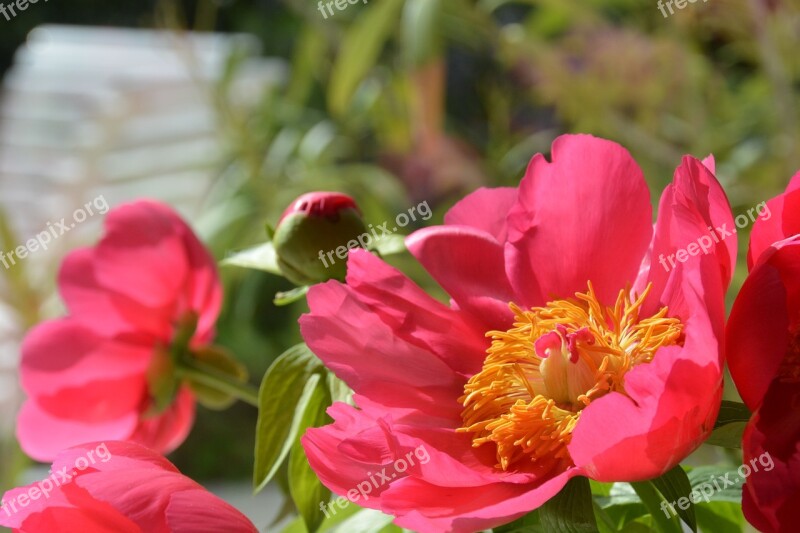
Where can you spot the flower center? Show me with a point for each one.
(539, 375)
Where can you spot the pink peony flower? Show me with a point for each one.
(763, 350)
(86, 375)
(603, 355)
(117, 487)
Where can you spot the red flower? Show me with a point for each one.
(86, 375)
(603, 359)
(763, 350)
(117, 487)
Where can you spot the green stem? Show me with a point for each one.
(210, 377)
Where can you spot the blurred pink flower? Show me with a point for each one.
(86, 375)
(117, 487)
(605, 365)
(763, 350)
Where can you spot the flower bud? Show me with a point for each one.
(309, 233)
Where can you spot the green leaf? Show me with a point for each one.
(340, 392)
(351, 519)
(390, 245)
(731, 412)
(728, 436)
(307, 62)
(295, 526)
(621, 505)
(283, 386)
(642, 525)
(720, 516)
(261, 257)
(421, 31)
(623, 514)
(606, 523)
(218, 360)
(599, 488)
(289, 297)
(658, 507)
(717, 484)
(305, 488)
(162, 383)
(672, 486)
(335, 517)
(571, 510)
(620, 493)
(530, 523)
(729, 428)
(360, 50)
(368, 521)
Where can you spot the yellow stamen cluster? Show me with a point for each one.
(553, 362)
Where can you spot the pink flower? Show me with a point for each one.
(602, 358)
(763, 350)
(117, 487)
(86, 375)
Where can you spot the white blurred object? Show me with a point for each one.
(120, 113)
(88, 111)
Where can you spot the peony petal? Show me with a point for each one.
(585, 216)
(421, 506)
(710, 163)
(365, 353)
(771, 447)
(203, 288)
(42, 436)
(63, 352)
(198, 511)
(486, 210)
(435, 454)
(470, 266)
(74, 374)
(142, 253)
(121, 487)
(126, 455)
(102, 308)
(165, 432)
(415, 316)
(98, 401)
(689, 206)
(345, 454)
(757, 333)
(140, 495)
(778, 219)
(442, 457)
(69, 505)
